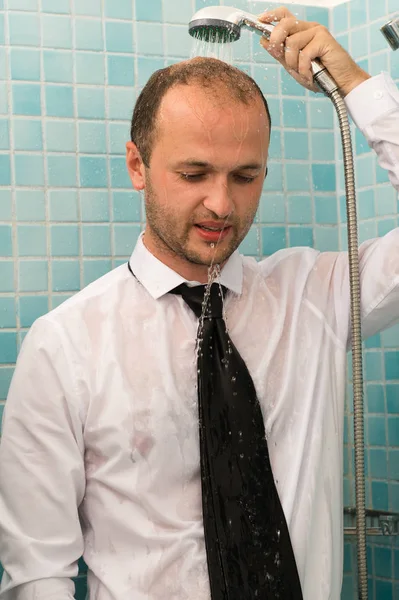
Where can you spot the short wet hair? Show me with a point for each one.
(209, 73)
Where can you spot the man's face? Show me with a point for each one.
(205, 177)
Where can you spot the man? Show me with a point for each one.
(100, 453)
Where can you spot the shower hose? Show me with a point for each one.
(356, 342)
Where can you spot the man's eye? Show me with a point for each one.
(192, 176)
(244, 179)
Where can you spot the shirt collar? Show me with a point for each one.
(159, 279)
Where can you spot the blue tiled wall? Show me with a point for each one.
(356, 25)
(70, 71)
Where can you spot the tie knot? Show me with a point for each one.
(196, 296)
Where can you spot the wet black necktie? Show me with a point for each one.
(249, 551)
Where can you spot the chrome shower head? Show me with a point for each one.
(391, 33)
(224, 23)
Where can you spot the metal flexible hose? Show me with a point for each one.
(356, 337)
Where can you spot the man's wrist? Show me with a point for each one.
(353, 83)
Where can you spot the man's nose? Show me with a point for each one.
(219, 200)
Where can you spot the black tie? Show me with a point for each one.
(249, 551)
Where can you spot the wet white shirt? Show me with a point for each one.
(100, 451)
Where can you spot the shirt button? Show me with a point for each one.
(378, 94)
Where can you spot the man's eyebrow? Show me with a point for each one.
(207, 165)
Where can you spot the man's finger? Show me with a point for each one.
(276, 14)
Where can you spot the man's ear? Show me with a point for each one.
(135, 166)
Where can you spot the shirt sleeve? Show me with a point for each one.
(42, 477)
(374, 107)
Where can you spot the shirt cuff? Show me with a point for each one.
(372, 99)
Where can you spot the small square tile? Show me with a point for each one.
(60, 136)
(63, 205)
(146, 11)
(33, 275)
(321, 114)
(341, 17)
(65, 275)
(289, 86)
(299, 209)
(178, 11)
(90, 68)
(120, 70)
(59, 101)
(376, 431)
(119, 134)
(275, 146)
(376, 10)
(93, 172)
(373, 366)
(92, 138)
(357, 13)
(146, 67)
(359, 43)
(57, 32)
(24, 29)
(88, 34)
(366, 205)
(91, 103)
(392, 392)
(326, 212)
(119, 37)
(94, 206)
(30, 205)
(150, 40)
(94, 269)
(31, 240)
(7, 313)
(5, 205)
(26, 99)
(64, 240)
(178, 43)
(294, 113)
(5, 169)
(55, 302)
(22, 5)
(378, 463)
(58, 66)
(119, 174)
(273, 239)
(96, 240)
(61, 170)
(123, 9)
(377, 40)
(87, 7)
(318, 14)
(274, 178)
(393, 431)
(324, 178)
(4, 135)
(56, 6)
(375, 398)
(125, 238)
(29, 169)
(297, 178)
(31, 308)
(323, 145)
(379, 494)
(8, 347)
(296, 145)
(391, 365)
(27, 134)
(386, 201)
(126, 207)
(25, 64)
(120, 103)
(300, 236)
(271, 209)
(5, 240)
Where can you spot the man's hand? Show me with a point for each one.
(296, 43)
